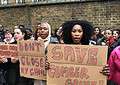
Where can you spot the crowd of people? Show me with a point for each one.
(71, 32)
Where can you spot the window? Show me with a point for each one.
(20, 1)
(38, 0)
(4, 2)
(34, 0)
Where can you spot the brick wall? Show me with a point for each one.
(103, 14)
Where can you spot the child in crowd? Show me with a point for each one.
(8, 37)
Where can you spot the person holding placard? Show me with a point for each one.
(13, 75)
(79, 32)
(43, 32)
(114, 63)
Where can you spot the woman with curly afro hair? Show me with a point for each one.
(77, 32)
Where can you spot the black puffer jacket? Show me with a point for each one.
(3, 73)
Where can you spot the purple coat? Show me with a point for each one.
(114, 63)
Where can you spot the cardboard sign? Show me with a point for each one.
(32, 59)
(77, 54)
(8, 50)
(76, 64)
(30, 47)
(64, 74)
(33, 67)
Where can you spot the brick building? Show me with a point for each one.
(102, 13)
